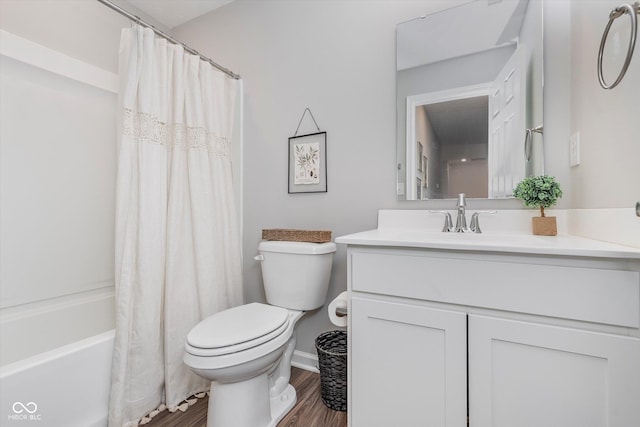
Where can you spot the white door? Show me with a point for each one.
(506, 126)
(408, 365)
(527, 374)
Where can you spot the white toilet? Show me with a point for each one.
(246, 351)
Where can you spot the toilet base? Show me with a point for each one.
(256, 393)
(282, 404)
(247, 404)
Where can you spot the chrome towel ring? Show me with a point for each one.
(528, 140)
(632, 10)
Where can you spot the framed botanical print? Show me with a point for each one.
(308, 163)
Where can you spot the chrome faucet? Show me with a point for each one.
(448, 224)
(461, 219)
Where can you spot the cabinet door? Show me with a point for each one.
(408, 365)
(526, 374)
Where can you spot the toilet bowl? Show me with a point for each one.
(246, 351)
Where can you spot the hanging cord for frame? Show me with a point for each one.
(300, 122)
(624, 9)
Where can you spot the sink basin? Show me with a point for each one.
(469, 238)
(472, 239)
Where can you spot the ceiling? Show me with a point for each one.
(461, 121)
(172, 13)
(469, 28)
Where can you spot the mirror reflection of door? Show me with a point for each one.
(506, 120)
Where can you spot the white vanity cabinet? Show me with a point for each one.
(507, 339)
(409, 365)
(524, 373)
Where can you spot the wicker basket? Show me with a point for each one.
(313, 236)
(332, 360)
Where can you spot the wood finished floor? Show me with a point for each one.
(308, 412)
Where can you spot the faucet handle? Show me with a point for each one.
(448, 223)
(475, 224)
(462, 200)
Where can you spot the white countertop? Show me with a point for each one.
(513, 243)
(507, 231)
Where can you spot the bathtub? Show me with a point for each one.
(64, 387)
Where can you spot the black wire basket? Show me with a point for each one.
(332, 361)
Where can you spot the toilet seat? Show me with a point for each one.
(237, 329)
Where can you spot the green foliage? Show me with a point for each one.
(538, 191)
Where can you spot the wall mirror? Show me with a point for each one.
(469, 90)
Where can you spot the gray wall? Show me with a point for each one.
(608, 120)
(338, 58)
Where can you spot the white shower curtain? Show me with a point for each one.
(178, 257)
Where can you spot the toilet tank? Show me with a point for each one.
(296, 274)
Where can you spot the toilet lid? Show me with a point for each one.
(242, 324)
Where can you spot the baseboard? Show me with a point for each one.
(306, 361)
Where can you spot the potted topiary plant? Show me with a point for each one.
(540, 192)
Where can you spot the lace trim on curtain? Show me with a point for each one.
(148, 129)
(190, 401)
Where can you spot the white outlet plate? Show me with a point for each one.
(574, 149)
